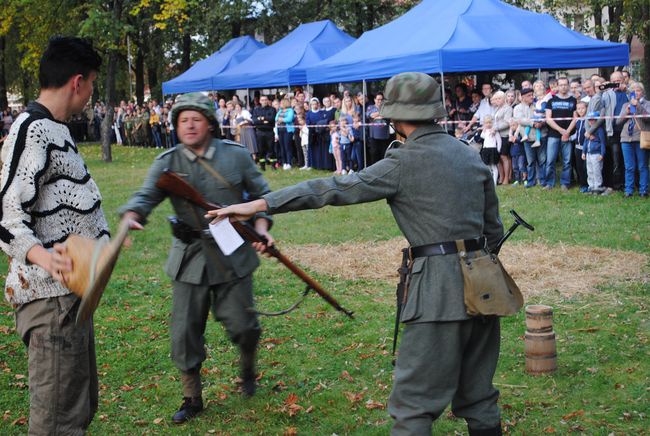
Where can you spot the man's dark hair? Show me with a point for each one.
(378, 94)
(462, 86)
(65, 57)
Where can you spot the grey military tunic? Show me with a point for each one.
(203, 277)
(438, 190)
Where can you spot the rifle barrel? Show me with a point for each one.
(172, 183)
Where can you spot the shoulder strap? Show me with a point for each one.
(214, 173)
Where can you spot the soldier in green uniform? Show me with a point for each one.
(203, 277)
(439, 191)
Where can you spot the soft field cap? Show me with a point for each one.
(413, 97)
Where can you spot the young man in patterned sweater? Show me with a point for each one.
(47, 194)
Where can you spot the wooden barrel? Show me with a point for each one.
(541, 353)
(539, 318)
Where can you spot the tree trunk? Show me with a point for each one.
(139, 74)
(187, 48)
(111, 100)
(153, 59)
(3, 80)
(111, 95)
(646, 65)
(107, 133)
(598, 18)
(235, 29)
(358, 12)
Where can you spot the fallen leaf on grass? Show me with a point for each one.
(279, 386)
(294, 409)
(371, 404)
(549, 430)
(291, 399)
(573, 414)
(126, 388)
(592, 370)
(346, 376)
(6, 415)
(19, 376)
(157, 421)
(222, 396)
(103, 417)
(353, 398)
(309, 409)
(619, 386)
(291, 431)
(20, 421)
(276, 341)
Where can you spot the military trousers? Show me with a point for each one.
(441, 363)
(63, 387)
(230, 303)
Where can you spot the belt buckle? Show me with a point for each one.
(442, 249)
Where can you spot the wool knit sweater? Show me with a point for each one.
(46, 194)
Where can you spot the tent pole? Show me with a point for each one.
(248, 99)
(539, 74)
(442, 86)
(363, 122)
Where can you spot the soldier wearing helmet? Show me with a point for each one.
(440, 192)
(203, 277)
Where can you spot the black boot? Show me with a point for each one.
(248, 348)
(263, 164)
(189, 409)
(495, 431)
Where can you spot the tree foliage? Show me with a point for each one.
(167, 36)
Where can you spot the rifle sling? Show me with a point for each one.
(214, 173)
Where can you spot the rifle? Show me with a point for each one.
(173, 184)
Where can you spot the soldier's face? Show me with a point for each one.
(194, 129)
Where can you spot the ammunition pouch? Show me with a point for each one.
(488, 288)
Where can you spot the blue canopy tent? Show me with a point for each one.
(201, 75)
(283, 63)
(439, 36)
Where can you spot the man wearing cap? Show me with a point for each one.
(47, 195)
(203, 277)
(439, 190)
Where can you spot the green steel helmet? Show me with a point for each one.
(195, 101)
(413, 97)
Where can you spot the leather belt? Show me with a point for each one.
(449, 247)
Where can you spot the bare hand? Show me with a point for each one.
(261, 247)
(133, 219)
(584, 157)
(59, 262)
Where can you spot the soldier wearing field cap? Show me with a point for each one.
(439, 191)
(203, 277)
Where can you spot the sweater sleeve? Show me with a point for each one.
(21, 174)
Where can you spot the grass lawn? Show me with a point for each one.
(322, 373)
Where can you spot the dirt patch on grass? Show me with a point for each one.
(538, 268)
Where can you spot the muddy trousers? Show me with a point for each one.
(441, 363)
(63, 388)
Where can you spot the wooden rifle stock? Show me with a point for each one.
(173, 184)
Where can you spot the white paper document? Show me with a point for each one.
(226, 236)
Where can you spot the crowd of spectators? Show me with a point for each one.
(521, 134)
(585, 127)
